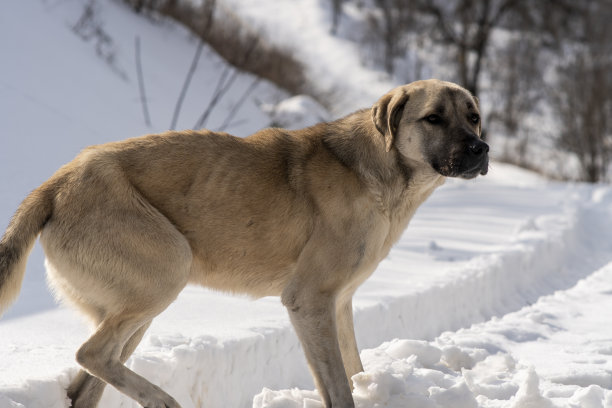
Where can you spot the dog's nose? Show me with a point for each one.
(479, 148)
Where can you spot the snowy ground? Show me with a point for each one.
(497, 295)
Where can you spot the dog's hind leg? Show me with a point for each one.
(101, 356)
(86, 390)
(122, 263)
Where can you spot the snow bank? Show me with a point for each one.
(543, 253)
(486, 365)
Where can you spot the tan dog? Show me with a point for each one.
(305, 214)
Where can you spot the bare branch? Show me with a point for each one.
(238, 105)
(223, 85)
(192, 68)
(221, 89)
(141, 85)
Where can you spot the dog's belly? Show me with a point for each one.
(260, 258)
(243, 277)
(251, 257)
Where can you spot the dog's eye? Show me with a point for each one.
(434, 119)
(475, 118)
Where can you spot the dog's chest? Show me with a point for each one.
(403, 207)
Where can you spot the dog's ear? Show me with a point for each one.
(386, 114)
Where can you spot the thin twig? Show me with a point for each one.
(223, 86)
(192, 68)
(232, 124)
(141, 86)
(238, 105)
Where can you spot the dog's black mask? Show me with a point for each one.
(466, 157)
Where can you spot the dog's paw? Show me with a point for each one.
(158, 399)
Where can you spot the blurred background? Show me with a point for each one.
(542, 68)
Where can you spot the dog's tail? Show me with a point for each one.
(19, 239)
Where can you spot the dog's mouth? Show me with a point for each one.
(474, 161)
(482, 170)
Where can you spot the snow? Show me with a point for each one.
(296, 112)
(497, 295)
(56, 100)
(555, 353)
(334, 65)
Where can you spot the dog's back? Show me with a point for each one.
(114, 196)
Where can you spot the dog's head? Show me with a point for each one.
(435, 123)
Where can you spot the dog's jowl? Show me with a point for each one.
(306, 215)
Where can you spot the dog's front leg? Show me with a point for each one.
(313, 316)
(346, 335)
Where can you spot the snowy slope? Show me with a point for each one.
(502, 284)
(57, 95)
(333, 63)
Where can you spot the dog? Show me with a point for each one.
(306, 215)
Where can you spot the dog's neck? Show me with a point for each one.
(359, 146)
(423, 178)
(355, 143)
